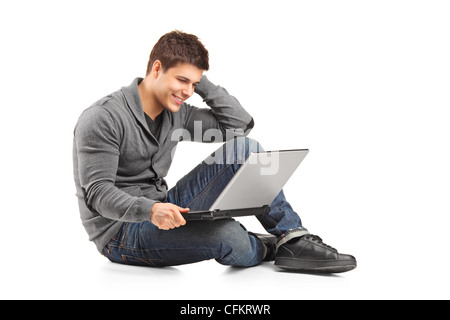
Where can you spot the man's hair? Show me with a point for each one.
(175, 47)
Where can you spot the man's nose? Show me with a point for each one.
(188, 91)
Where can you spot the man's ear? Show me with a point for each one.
(156, 69)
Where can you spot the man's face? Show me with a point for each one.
(176, 84)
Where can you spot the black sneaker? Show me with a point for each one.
(270, 242)
(308, 253)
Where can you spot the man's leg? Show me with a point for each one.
(296, 248)
(145, 245)
(201, 187)
(226, 240)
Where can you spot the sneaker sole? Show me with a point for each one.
(319, 266)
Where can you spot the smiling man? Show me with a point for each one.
(123, 149)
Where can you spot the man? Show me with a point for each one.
(123, 149)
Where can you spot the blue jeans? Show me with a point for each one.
(225, 240)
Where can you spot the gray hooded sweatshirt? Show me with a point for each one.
(119, 166)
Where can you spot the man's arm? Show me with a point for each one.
(97, 145)
(225, 116)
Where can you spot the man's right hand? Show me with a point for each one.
(167, 216)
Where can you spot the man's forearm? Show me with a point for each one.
(110, 202)
(227, 109)
(223, 120)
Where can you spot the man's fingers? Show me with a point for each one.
(175, 219)
(178, 217)
(168, 216)
(183, 210)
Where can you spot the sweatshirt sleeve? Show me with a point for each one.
(97, 145)
(225, 116)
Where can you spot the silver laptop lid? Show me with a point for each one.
(259, 180)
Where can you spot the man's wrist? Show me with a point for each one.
(154, 207)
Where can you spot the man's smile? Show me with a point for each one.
(177, 99)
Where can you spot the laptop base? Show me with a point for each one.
(207, 215)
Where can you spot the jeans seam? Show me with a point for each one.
(301, 231)
(124, 235)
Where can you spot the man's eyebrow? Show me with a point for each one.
(187, 79)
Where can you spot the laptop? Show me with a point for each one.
(254, 186)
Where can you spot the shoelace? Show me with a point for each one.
(319, 241)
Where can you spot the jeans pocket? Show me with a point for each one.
(107, 252)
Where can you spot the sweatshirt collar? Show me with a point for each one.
(133, 99)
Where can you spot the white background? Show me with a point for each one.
(363, 84)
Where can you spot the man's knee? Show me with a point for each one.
(234, 151)
(234, 241)
(247, 144)
(227, 230)
(238, 149)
